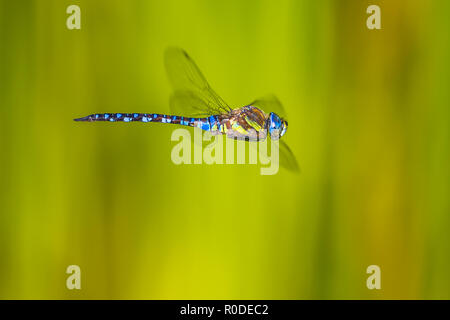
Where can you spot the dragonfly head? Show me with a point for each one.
(276, 126)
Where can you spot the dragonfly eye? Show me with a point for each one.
(274, 126)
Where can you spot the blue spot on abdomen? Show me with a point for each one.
(205, 126)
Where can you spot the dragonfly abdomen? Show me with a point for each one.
(208, 124)
(130, 117)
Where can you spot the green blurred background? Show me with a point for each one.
(369, 124)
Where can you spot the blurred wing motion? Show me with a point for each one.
(270, 103)
(192, 94)
(287, 158)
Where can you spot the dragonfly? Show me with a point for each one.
(194, 103)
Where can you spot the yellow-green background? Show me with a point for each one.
(369, 124)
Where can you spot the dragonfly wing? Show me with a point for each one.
(185, 76)
(270, 103)
(188, 103)
(287, 158)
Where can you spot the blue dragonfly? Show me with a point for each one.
(203, 108)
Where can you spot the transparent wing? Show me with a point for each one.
(270, 103)
(287, 158)
(190, 104)
(191, 86)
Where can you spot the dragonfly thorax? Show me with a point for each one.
(276, 126)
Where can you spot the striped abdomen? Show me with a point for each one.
(208, 124)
